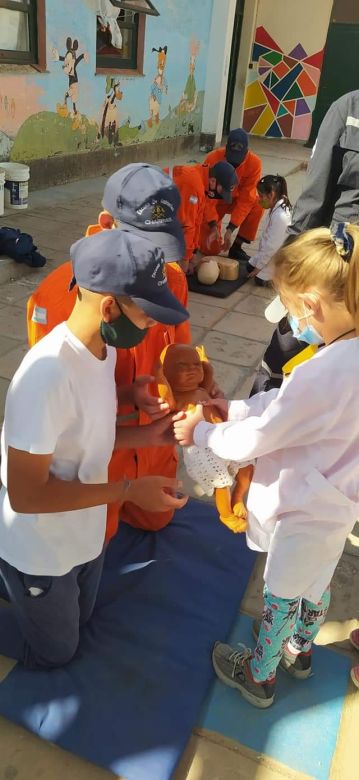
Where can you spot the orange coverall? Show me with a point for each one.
(51, 304)
(245, 211)
(196, 209)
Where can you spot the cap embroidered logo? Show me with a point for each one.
(158, 274)
(158, 212)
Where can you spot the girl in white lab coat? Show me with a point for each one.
(273, 196)
(304, 496)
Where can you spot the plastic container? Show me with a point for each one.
(17, 178)
(2, 185)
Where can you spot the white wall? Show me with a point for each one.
(219, 54)
(245, 50)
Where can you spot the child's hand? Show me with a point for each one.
(184, 427)
(253, 273)
(142, 398)
(219, 403)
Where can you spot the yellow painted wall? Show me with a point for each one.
(269, 108)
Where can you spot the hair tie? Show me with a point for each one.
(343, 241)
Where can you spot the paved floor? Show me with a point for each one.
(234, 332)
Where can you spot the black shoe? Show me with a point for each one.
(237, 253)
(260, 282)
(232, 667)
(298, 666)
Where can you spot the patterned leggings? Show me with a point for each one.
(293, 621)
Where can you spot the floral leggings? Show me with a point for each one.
(296, 621)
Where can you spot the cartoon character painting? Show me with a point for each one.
(110, 115)
(189, 96)
(158, 86)
(71, 61)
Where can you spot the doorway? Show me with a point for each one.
(236, 41)
(339, 72)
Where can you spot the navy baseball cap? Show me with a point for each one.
(145, 200)
(121, 263)
(237, 139)
(226, 177)
(237, 146)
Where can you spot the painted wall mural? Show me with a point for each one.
(281, 90)
(70, 109)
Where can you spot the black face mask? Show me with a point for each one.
(214, 194)
(122, 333)
(235, 156)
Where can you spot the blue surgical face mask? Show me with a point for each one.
(309, 334)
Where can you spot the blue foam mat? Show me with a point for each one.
(300, 729)
(130, 699)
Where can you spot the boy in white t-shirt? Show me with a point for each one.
(58, 436)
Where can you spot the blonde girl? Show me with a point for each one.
(304, 497)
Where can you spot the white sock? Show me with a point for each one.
(295, 651)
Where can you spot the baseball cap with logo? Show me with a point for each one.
(145, 200)
(121, 263)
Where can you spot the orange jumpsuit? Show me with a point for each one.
(245, 211)
(196, 209)
(51, 304)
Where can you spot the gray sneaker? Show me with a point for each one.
(298, 666)
(232, 667)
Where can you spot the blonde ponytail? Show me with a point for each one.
(351, 295)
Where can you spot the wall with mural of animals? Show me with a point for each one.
(71, 108)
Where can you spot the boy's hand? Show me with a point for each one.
(161, 432)
(157, 434)
(142, 398)
(156, 494)
(184, 426)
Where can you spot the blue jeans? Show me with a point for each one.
(41, 626)
(295, 620)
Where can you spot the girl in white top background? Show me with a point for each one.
(273, 196)
(304, 496)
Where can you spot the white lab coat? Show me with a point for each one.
(304, 497)
(275, 225)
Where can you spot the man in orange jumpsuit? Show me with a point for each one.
(201, 188)
(144, 199)
(244, 210)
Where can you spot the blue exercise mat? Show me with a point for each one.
(131, 697)
(301, 728)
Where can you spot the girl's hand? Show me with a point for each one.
(219, 403)
(253, 273)
(184, 427)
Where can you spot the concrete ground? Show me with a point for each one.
(234, 332)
